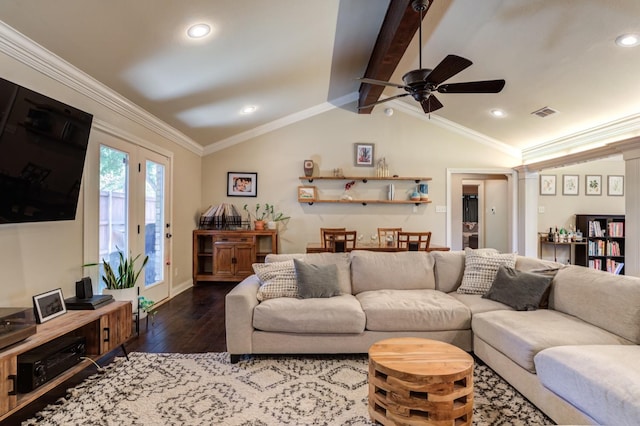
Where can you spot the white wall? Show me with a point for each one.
(412, 146)
(37, 257)
(496, 214)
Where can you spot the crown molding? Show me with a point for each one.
(31, 54)
(457, 128)
(279, 123)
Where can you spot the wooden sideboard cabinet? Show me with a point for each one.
(105, 329)
(229, 255)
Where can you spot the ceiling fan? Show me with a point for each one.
(421, 83)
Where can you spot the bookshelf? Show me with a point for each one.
(604, 237)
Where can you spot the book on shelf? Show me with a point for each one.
(616, 229)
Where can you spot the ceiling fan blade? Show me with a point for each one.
(381, 83)
(488, 86)
(383, 100)
(450, 66)
(430, 104)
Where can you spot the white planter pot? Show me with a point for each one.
(272, 225)
(127, 295)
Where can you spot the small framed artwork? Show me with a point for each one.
(593, 185)
(363, 154)
(49, 305)
(307, 194)
(615, 185)
(570, 184)
(241, 184)
(547, 184)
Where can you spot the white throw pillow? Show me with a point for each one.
(480, 268)
(277, 279)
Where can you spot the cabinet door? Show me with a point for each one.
(223, 260)
(245, 257)
(8, 385)
(115, 328)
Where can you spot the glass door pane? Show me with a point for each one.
(154, 220)
(114, 206)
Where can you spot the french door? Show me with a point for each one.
(133, 211)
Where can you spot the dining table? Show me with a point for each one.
(316, 247)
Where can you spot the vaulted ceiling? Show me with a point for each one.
(290, 58)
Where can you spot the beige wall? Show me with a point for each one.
(37, 257)
(412, 146)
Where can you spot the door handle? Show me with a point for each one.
(168, 235)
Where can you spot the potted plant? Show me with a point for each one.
(274, 217)
(120, 281)
(261, 216)
(146, 306)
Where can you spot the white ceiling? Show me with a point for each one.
(289, 56)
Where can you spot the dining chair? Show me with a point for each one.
(414, 241)
(322, 231)
(339, 241)
(383, 233)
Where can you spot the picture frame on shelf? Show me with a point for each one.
(363, 154)
(307, 194)
(547, 184)
(242, 184)
(570, 184)
(49, 305)
(593, 185)
(615, 185)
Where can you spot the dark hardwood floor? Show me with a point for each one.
(191, 322)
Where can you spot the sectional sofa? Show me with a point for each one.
(576, 359)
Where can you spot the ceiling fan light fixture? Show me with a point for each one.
(198, 30)
(628, 40)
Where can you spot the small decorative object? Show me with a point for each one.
(240, 184)
(593, 185)
(391, 193)
(415, 195)
(570, 184)
(49, 305)
(308, 168)
(615, 185)
(307, 194)
(346, 195)
(423, 190)
(363, 154)
(382, 169)
(547, 184)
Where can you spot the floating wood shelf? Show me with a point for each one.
(364, 179)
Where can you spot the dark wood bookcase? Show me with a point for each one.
(604, 236)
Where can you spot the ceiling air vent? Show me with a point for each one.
(544, 112)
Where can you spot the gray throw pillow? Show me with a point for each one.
(523, 291)
(316, 280)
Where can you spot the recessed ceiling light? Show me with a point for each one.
(198, 30)
(498, 113)
(248, 109)
(628, 40)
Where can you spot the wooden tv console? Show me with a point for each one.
(104, 329)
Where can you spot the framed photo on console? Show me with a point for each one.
(49, 305)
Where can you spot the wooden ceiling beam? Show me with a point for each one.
(398, 28)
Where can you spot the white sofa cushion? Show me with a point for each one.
(277, 279)
(413, 310)
(480, 268)
(603, 299)
(341, 260)
(408, 270)
(449, 269)
(602, 381)
(520, 335)
(340, 314)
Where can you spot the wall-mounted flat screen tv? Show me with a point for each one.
(43, 143)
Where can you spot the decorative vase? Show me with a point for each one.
(259, 225)
(308, 168)
(126, 295)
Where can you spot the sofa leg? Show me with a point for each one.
(234, 358)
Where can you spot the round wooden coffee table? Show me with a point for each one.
(420, 382)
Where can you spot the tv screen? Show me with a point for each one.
(43, 143)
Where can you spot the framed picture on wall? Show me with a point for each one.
(307, 194)
(363, 154)
(615, 185)
(570, 184)
(593, 185)
(241, 184)
(547, 184)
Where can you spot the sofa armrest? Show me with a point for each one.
(239, 304)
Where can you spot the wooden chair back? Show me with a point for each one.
(322, 231)
(414, 241)
(383, 233)
(339, 241)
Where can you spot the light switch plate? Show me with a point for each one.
(441, 209)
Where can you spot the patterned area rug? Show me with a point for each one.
(205, 389)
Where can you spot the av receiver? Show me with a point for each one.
(39, 365)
